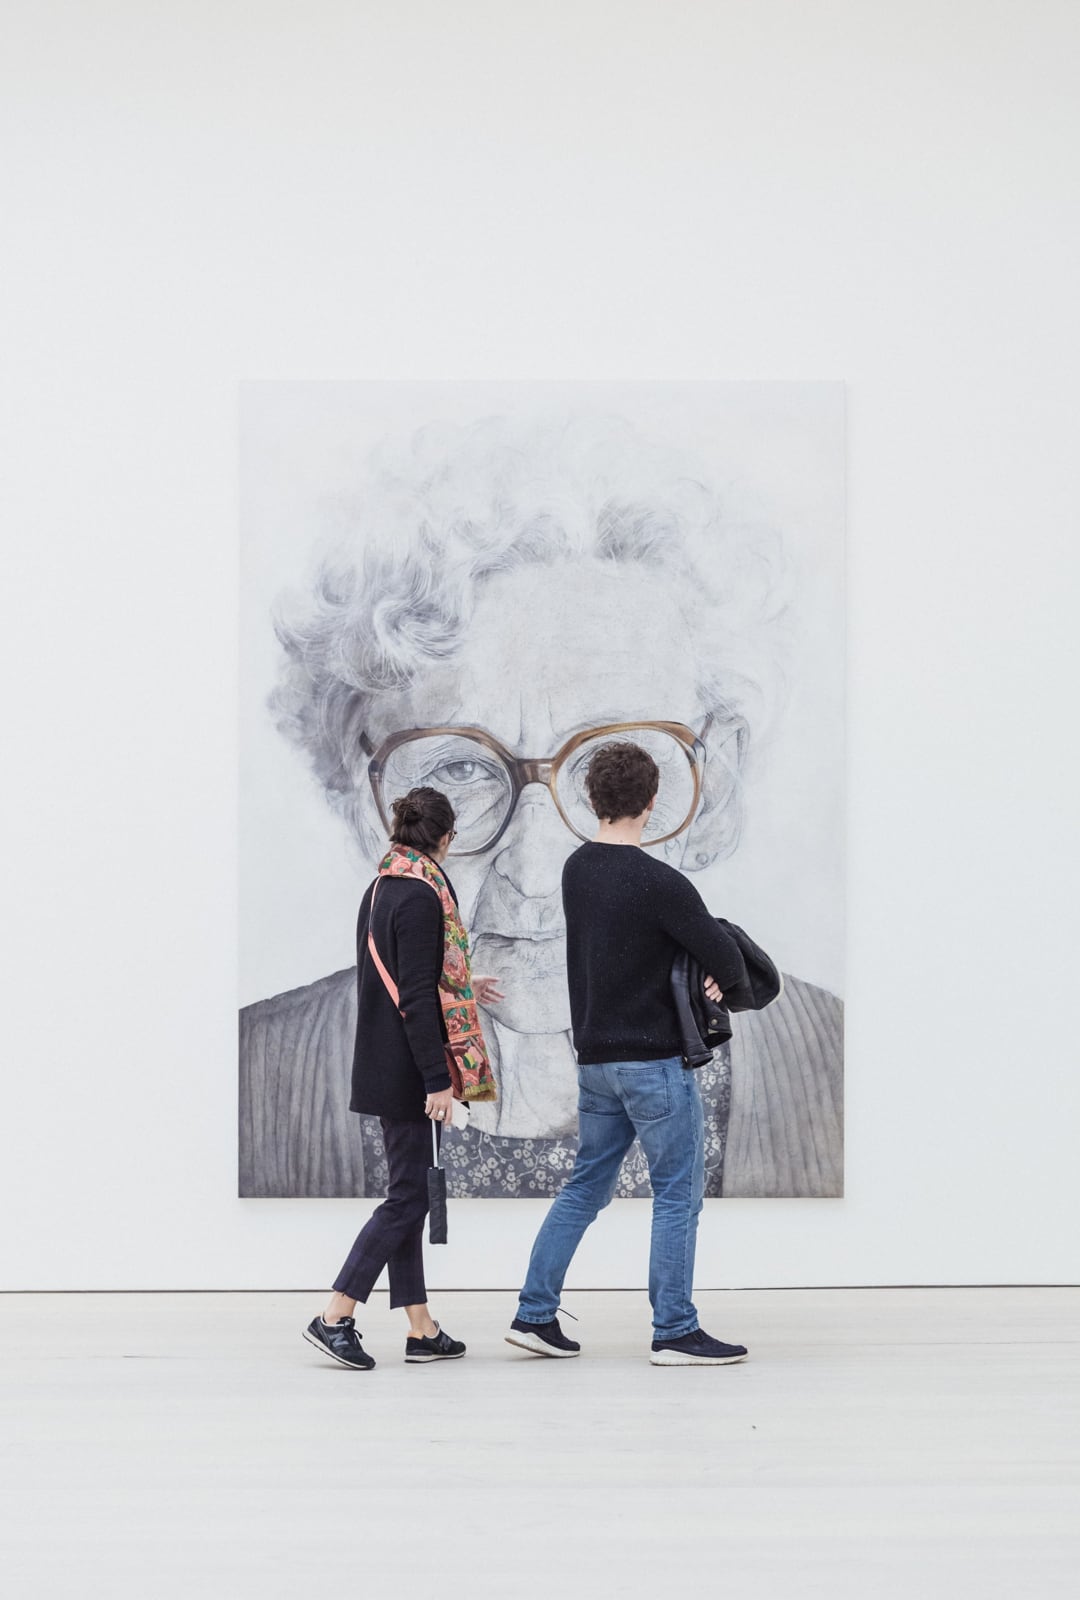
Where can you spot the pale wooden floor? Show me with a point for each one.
(878, 1443)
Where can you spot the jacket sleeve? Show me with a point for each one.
(418, 927)
(686, 918)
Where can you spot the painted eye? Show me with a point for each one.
(459, 771)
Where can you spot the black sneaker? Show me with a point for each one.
(439, 1348)
(542, 1338)
(696, 1350)
(340, 1341)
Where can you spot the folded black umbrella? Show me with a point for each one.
(436, 1193)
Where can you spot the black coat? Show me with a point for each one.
(399, 1056)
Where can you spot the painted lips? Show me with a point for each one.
(543, 953)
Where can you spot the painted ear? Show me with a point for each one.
(715, 830)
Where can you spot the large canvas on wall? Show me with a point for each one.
(450, 583)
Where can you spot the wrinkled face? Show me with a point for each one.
(550, 651)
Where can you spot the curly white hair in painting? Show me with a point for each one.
(459, 505)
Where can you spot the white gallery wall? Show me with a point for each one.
(199, 194)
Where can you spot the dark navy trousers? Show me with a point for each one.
(393, 1237)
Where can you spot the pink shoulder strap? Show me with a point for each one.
(380, 965)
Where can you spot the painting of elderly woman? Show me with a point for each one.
(469, 588)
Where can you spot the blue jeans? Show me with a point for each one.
(660, 1103)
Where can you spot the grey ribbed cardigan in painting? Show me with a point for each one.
(298, 1137)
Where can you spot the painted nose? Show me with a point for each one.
(534, 848)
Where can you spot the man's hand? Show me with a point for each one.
(487, 991)
(713, 990)
(439, 1107)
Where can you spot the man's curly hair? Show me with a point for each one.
(621, 780)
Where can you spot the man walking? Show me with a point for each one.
(626, 916)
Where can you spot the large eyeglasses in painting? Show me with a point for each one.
(484, 780)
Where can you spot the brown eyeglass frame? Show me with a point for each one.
(524, 770)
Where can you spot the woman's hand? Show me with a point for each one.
(440, 1107)
(713, 990)
(487, 991)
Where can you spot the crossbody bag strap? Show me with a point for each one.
(380, 965)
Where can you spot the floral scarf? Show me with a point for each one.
(467, 1056)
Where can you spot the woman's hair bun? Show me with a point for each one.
(421, 818)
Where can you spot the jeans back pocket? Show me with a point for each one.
(646, 1090)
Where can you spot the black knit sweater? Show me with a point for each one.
(398, 1060)
(626, 915)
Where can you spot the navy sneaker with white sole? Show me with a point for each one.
(438, 1348)
(542, 1338)
(340, 1341)
(696, 1350)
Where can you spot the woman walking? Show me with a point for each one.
(418, 1047)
